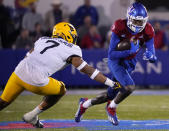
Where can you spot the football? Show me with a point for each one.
(123, 45)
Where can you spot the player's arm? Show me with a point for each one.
(93, 73)
(149, 42)
(150, 46)
(113, 53)
(150, 51)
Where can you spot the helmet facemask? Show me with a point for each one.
(136, 24)
(74, 37)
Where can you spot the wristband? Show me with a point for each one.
(82, 65)
(109, 82)
(95, 73)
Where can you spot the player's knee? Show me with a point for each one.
(63, 88)
(111, 92)
(3, 104)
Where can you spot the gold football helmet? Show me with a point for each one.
(65, 31)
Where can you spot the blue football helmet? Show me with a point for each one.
(137, 17)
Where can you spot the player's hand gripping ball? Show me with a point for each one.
(134, 46)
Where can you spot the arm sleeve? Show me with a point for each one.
(150, 46)
(112, 53)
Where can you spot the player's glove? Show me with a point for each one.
(117, 85)
(134, 47)
(149, 56)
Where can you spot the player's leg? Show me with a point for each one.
(85, 103)
(47, 102)
(125, 92)
(3, 104)
(124, 78)
(126, 81)
(11, 91)
(112, 105)
(53, 92)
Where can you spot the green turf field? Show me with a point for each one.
(133, 108)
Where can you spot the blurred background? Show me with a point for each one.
(22, 22)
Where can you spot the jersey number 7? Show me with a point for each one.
(55, 44)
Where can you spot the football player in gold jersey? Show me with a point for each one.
(49, 55)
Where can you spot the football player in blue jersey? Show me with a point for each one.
(139, 32)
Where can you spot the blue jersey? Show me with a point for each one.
(120, 31)
(122, 63)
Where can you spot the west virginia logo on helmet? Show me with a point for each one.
(65, 31)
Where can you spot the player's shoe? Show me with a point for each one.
(112, 117)
(81, 110)
(33, 120)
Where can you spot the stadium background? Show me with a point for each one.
(153, 78)
(145, 74)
